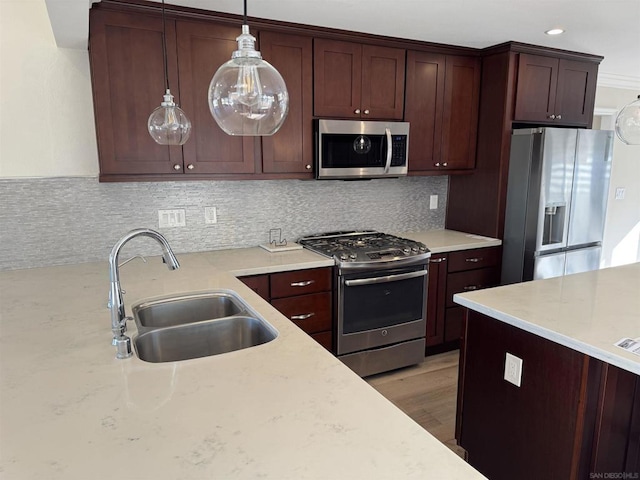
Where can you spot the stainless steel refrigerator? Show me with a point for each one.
(556, 202)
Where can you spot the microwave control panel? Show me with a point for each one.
(398, 150)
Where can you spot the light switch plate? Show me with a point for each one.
(433, 202)
(171, 218)
(210, 215)
(513, 369)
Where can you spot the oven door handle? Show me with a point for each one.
(387, 131)
(386, 279)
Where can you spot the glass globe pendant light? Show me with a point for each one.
(168, 124)
(247, 96)
(628, 123)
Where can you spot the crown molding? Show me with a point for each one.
(618, 81)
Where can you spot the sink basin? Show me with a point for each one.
(187, 308)
(195, 325)
(203, 339)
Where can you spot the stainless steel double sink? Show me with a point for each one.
(194, 325)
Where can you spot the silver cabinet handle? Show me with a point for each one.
(386, 279)
(470, 288)
(308, 167)
(437, 164)
(190, 166)
(366, 112)
(444, 164)
(551, 117)
(437, 260)
(559, 117)
(357, 111)
(306, 283)
(177, 167)
(473, 260)
(304, 316)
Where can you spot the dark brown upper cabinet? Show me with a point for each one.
(441, 103)
(126, 90)
(555, 91)
(202, 48)
(353, 80)
(290, 149)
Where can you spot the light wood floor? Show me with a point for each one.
(426, 393)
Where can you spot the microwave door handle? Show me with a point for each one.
(389, 150)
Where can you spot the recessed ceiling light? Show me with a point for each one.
(554, 31)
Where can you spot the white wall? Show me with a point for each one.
(46, 109)
(621, 244)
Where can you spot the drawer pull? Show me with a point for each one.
(437, 260)
(306, 283)
(304, 316)
(470, 288)
(473, 260)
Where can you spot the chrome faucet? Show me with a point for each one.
(116, 304)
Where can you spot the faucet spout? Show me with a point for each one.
(116, 303)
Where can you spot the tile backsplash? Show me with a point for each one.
(65, 220)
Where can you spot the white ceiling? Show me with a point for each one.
(610, 28)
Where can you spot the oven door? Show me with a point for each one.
(381, 308)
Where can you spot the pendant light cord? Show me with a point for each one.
(164, 49)
(245, 13)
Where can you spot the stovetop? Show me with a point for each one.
(365, 247)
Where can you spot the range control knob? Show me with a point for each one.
(414, 249)
(423, 248)
(352, 256)
(343, 257)
(406, 250)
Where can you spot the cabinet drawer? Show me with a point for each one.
(469, 281)
(472, 259)
(257, 283)
(312, 313)
(300, 282)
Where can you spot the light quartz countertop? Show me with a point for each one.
(587, 312)
(442, 241)
(287, 409)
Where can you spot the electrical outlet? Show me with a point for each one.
(171, 218)
(210, 215)
(513, 369)
(433, 202)
(620, 193)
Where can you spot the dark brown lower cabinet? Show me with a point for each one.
(303, 296)
(573, 417)
(451, 273)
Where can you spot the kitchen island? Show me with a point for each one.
(286, 409)
(576, 410)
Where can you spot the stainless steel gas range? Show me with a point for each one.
(380, 298)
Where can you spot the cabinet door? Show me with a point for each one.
(576, 92)
(290, 150)
(460, 113)
(536, 88)
(383, 71)
(257, 283)
(436, 291)
(127, 70)
(424, 102)
(202, 48)
(337, 78)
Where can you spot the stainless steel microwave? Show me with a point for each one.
(352, 149)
